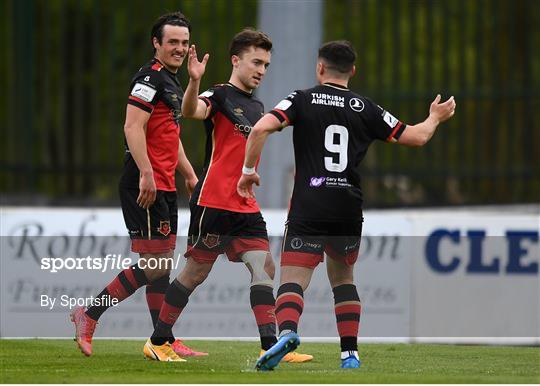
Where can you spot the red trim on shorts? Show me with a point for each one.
(241, 245)
(172, 241)
(301, 259)
(150, 246)
(200, 255)
(349, 259)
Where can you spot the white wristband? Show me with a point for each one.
(248, 171)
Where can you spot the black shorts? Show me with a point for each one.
(305, 242)
(151, 230)
(215, 231)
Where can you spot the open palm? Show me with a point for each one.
(195, 68)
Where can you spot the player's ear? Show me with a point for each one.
(155, 41)
(234, 60)
(320, 68)
(353, 70)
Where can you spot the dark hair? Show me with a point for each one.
(339, 55)
(249, 38)
(174, 18)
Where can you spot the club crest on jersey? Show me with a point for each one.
(211, 240)
(164, 228)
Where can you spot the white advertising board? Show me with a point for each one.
(477, 276)
(218, 308)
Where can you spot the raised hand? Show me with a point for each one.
(195, 68)
(442, 111)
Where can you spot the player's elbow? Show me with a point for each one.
(128, 129)
(420, 140)
(257, 131)
(187, 112)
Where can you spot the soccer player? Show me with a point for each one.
(222, 221)
(147, 186)
(333, 128)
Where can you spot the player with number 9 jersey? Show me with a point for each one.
(333, 128)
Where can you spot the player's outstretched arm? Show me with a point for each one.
(185, 168)
(421, 133)
(192, 106)
(262, 129)
(134, 129)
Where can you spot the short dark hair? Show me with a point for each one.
(249, 37)
(339, 55)
(174, 18)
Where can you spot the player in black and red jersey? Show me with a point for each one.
(333, 128)
(221, 220)
(147, 186)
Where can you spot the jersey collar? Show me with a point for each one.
(335, 85)
(249, 94)
(163, 66)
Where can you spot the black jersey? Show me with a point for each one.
(157, 91)
(333, 128)
(234, 112)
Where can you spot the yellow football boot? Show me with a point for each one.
(293, 357)
(163, 353)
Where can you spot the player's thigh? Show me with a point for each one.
(303, 244)
(342, 248)
(247, 233)
(149, 229)
(207, 234)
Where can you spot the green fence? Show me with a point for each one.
(479, 51)
(67, 67)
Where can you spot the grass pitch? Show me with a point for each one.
(114, 361)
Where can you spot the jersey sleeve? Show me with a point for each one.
(212, 97)
(287, 110)
(381, 124)
(145, 91)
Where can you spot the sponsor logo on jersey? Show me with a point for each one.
(164, 228)
(327, 99)
(329, 182)
(315, 182)
(296, 243)
(356, 104)
(144, 92)
(283, 105)
(390, 119)
(242, 129)
(211, 240)
(207, 93)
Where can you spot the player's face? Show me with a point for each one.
(251, 66)
(173, 48)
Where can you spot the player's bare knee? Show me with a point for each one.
(269, 266)
(156, 266)
(261, 266)
(194, 273)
